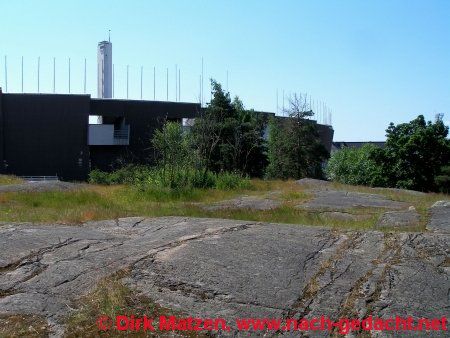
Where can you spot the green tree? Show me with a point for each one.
(229, 137)
(357, 166)
(174, 153)
(415, 153)
(294, 148)
(443, 180)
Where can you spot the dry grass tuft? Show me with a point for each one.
(23, 326)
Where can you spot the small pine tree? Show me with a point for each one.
(294, 148)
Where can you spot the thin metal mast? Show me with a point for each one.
(127, 78)
(202, 98)
(39, 65)
(69, 75)
(142, 68)
(84, 75)
(176, 82)
(276, 108)
(54, 76)
(167, 84)
(179, 84)
(22, 74)
(6, 75)
(154, 83)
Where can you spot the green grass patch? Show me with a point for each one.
(97, 202)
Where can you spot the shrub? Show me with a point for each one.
(99, 177)
(356, 166)
(415, 153)
(127, 175)
(230, 181)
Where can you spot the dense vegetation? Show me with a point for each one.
(225, 147)
(356, 166)
(295, 149)
(416, 156)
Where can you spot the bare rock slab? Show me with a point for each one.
(399, 219)
(344, 216)
(226, 268)
(338, 200)
(312, 183)
(440, 217)
(244, 202)
(41, 186)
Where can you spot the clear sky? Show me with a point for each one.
(372, 62)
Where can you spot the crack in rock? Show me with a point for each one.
(225, 268)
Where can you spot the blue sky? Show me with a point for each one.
(372, 62)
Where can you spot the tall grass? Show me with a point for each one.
(179, 181)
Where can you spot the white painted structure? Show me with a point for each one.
(104, 65)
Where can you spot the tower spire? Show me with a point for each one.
(109, 35)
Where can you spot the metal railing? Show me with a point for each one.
(121, 133)
(122, 136)
(40, 178)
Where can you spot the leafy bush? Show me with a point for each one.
(126, 175)
(415, 152)
(416, 156)
(230, 181)
(99, 177)
(356, 166)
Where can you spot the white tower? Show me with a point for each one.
(104, 65)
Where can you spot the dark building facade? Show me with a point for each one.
(50, 134)
(45, 135)
(139, 119)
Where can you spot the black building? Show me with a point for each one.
(50, 134)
